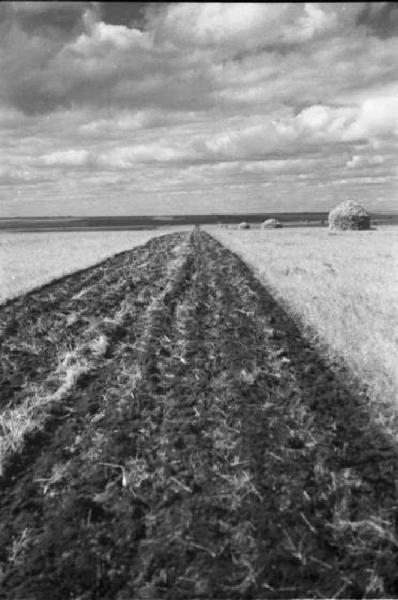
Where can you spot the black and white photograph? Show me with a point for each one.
(198, 300)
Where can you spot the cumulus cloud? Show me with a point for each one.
(116, 158)
(364, 161)
(69, 158)
(19, 176)
(242, 26)
(312, 128)
(187, 96)
(102, 37)
(229, 45)
(126, 158)
(378, 117)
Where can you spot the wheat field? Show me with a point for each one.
(28, 260)
(342, 288)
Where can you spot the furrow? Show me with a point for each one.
(87, 439)
(36, 329)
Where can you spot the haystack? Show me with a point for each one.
(243, 225)
(271, 224)
(348, 215)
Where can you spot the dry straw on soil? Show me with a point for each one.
(349, 216)
(271, 224)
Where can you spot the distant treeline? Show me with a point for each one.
(151, 222)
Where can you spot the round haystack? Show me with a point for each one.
(271, 224)
(349, 215)
(243, 225)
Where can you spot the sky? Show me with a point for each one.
(178, 108)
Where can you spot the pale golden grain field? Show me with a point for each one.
(32, 259)
(343, 288)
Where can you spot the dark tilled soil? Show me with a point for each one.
(207, 453)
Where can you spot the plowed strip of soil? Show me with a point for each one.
(191, 445)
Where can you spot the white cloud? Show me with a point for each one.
(288, 135)
(14, 175)
(242, 25)
(68, 158)
(103, 37)
(205, 96)
(378, 117)
(315, 19)
(116, 158)
(364, 161)
(124, 122)
(125, 158)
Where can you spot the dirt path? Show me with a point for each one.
(201, 450)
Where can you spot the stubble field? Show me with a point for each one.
(342, 290)
(28, 260)
(168, 432)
